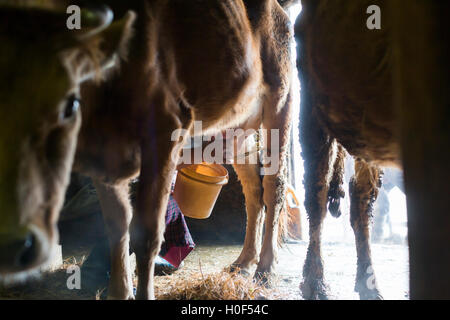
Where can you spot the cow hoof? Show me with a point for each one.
(129, 297)
(367, 290)
(237, 268)
(314, 290)
(370, 295)
(265, 279)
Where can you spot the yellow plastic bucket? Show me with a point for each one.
(197, 188)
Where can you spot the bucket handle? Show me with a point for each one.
(291, 191)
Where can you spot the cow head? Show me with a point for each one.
(42, 64)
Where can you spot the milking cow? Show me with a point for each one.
(223, 62)
(42, 64)
(383, 95)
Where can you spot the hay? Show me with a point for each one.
(50, 285)
(215, 286)
(184, 285)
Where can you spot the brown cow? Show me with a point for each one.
(383, 95)
(42, 64)
(223, 62)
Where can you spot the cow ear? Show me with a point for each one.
(99, 44)
(115, 39)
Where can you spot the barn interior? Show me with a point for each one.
(219, 239)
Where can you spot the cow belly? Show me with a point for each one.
(352, 97)
(366, 131)
(220, 72)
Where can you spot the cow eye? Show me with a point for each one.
(71, 107)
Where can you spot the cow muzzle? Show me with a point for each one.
(22, 251)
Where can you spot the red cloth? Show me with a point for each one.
(178, 241)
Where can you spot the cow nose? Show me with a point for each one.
(28, 252)
(18, 254)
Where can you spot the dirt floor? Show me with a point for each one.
(390, 259)
(390, 263)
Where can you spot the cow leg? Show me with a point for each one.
(317, 153)
(159, 156)
(249, 176)
(274, 181)
(363, 193)
(117, 214)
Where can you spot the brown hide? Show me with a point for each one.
(350, 71)
(383, 95)
(42, 65)
(225, 63)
